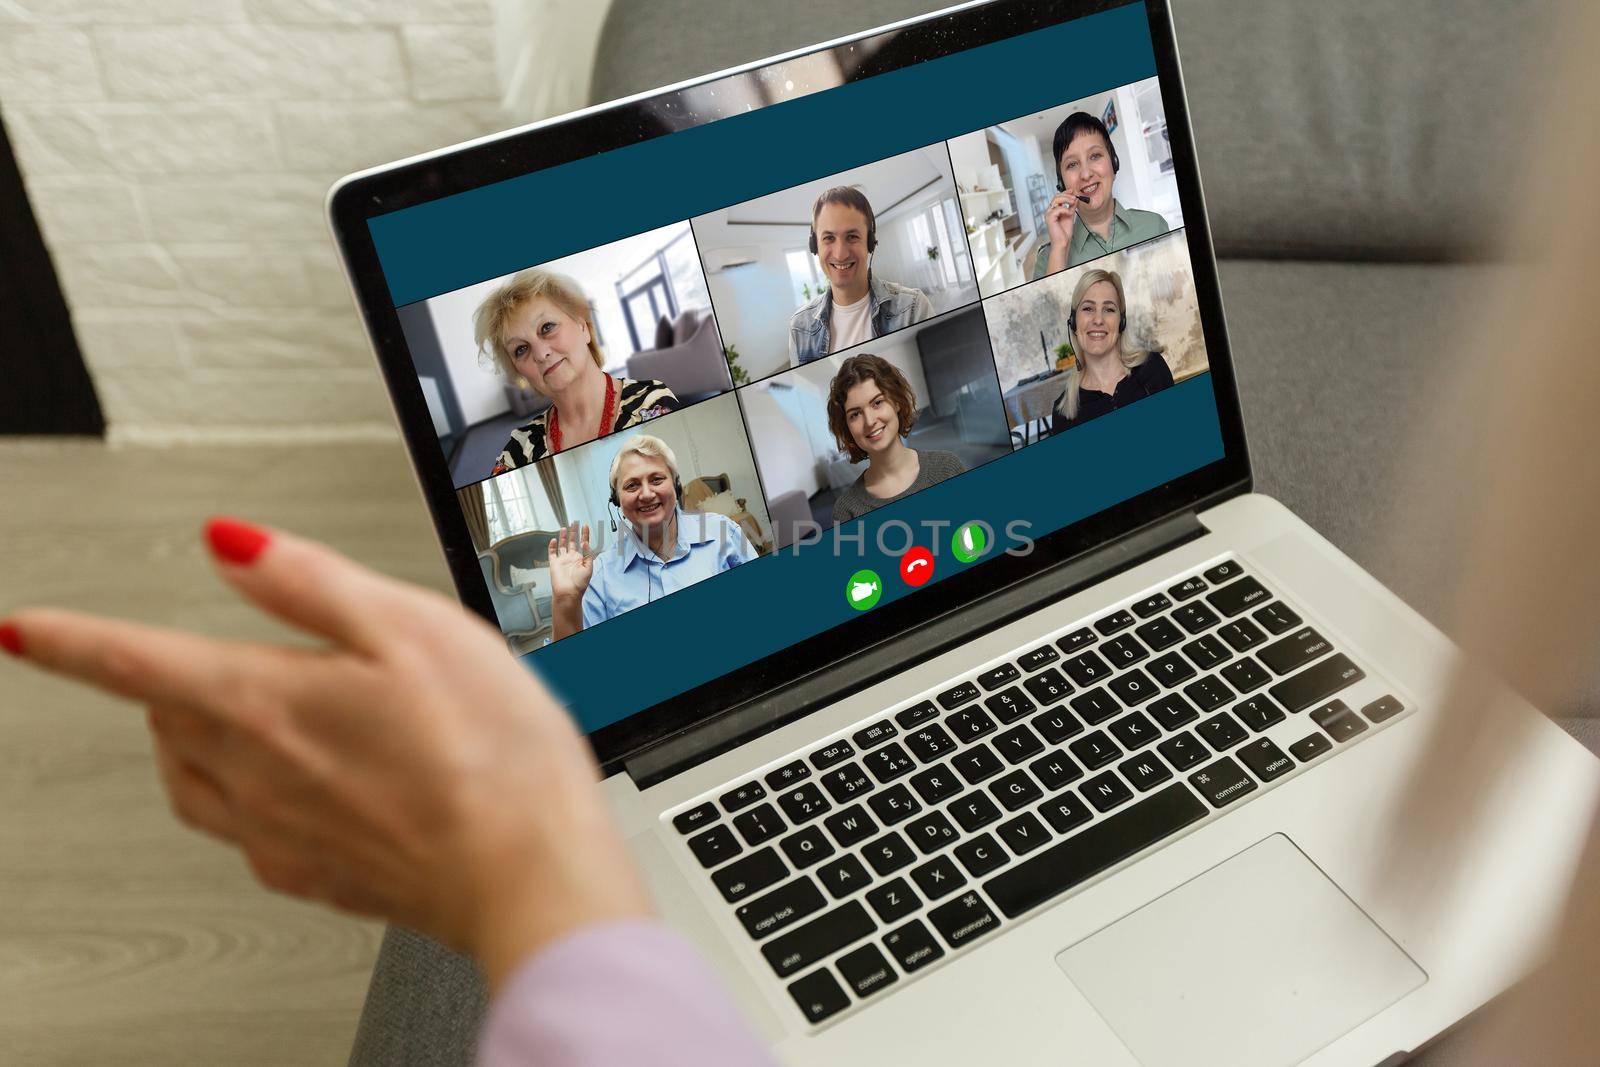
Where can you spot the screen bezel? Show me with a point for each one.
(364, 196)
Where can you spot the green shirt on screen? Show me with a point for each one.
(1129, 226)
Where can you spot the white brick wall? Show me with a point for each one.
(177, 154)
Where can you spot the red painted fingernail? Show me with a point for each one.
(236, 542)
(11, 639)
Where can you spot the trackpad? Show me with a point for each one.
(1258, 962)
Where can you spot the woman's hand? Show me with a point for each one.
(410, 768)
(1058, 220)
(571, 566)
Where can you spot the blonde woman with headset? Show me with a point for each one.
(1107, 375)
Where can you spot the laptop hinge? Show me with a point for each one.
(750, 720)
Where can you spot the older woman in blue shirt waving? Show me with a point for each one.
(660, 548)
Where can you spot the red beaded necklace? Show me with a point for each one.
(608, 412)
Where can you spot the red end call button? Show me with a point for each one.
(916, 566)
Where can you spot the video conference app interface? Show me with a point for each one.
(829, 352)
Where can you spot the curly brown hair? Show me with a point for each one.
(868, 368)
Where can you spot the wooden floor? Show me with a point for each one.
(125, 939)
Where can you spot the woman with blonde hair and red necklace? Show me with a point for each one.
(536, 328)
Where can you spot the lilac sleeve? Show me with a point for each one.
(629, 992)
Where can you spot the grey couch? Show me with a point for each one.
(1343, 145)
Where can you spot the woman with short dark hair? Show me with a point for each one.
(1084, 220)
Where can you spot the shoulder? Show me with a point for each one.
(1150, 222)
(1041, 261)
(1154, 372)
(527, 442)
(643, 400)
(942, 464)
(851, 503)
(807, 312)
(896, 291)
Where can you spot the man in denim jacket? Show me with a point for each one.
(856, 306)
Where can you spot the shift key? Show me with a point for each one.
(1316, 684)
(819, 938)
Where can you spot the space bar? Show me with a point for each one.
(1085, 855)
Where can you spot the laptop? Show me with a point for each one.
(882, 511)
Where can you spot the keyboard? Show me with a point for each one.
(897, 844)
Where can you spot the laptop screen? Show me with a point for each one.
(833, 342)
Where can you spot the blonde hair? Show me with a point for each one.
(489, 320)
(1068, 405)
(645, 445)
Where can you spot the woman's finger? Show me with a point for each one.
(196, 798)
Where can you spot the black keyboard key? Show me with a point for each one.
(1094, 750)
(1310, 747)
(936, 784)
(866, 971)
(939, 877)
(1317, 683)
(1222, 731)
(843, 876)
(931, 832)
(1017, 744)
(1095, 706)
(1015, 790)
(1246, 675)
(1276, 617)
(1183, 751)
(1133, 687)
(1145, 771)
(1385, 707)
(893, 900)
(696, 817)
(1195, 617)
(912, 946)
(973, 811)
(1113, 623)
(894, 804)
(889, 853)
(1288, 654)
(818, 939)
(1172, 711)
(847, 782)
(1123, 651)
(1170, 670)
(889, 762)
(1048, 687)
(1265, 759)
(969, 724)
(930, 742)
(743, 796)
(1042, 656)
(1241, 595)
(1258, 713)
(1208, 693)
(1076, 640)
(1241, 634)
(1106, 791)
(916, 714)
(876, 734)
(850, 826)
(1337, 718)
(1067, 863)
(802, 803)
(1004, 674)
(714, 846)
(977, 763)
(1056, 726)
(1023, 834)
(1151, 605)
(957, 695)
(1207, 652)
(760, 823)
(1187, 588)
(787, 775)
(1055, 771)
(981, 855)
(828, 755)
(1225, 571)
(806, 847)
(963, 919)
(751, 874)
(1159, 633)
(782, 907)
(1223, 782)
(819, 995)
(1134, 730)
(1009, 705)
(1086, 668)
(1065, 812)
